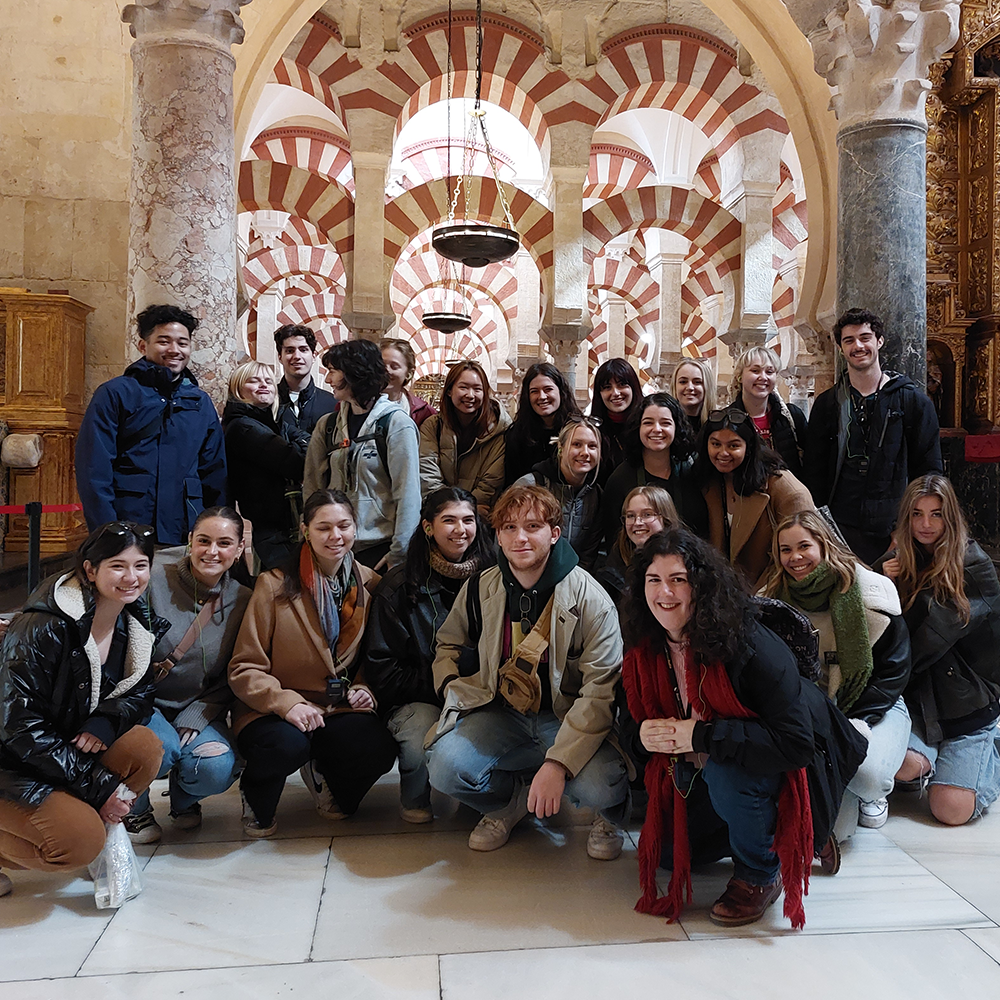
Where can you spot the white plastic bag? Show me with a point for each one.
(115, 870)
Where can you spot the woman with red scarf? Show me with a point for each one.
(742, 757)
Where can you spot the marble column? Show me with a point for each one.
(665, 255)
(614, 319)
(876, 58)
(182, 214)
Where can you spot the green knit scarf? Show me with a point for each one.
(817, 592)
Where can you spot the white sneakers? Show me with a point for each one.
(605, 840)
(418, 814)
(873, 814)
(317, 787)
(251, 827)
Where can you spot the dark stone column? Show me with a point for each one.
(882, 235)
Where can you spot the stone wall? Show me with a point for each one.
(65, 156)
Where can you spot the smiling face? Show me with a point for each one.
(121, 578)
(726, 450)
(690, 386)
(467, 394)
(798, 551)
(656, 428)
(215, 546)
(296, 357)
(395, 365)
(669, 594)
(860, 347)
(526, 541)
(927, 522)
(579, 458)
(617, 396)
(759, 379)
(641, 521)
(330, 535)
(543, 394)
(339, 386)
(453, 530)
(259, 389)
(168, 344)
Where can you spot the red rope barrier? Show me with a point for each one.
(48, 508)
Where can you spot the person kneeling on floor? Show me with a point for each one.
(534, 723)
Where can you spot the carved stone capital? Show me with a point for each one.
(876, 56)
(211, 20)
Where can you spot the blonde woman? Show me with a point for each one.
(646, 511)
(571, 477)
(864, 651)
(401, 365)
(780, 425)
(694, 388)
(950, 597)
(264, 467)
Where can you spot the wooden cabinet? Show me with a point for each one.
(42, 340)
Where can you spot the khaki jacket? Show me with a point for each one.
(281, 650)
(754, 521)
(585, 661)
(478, 470)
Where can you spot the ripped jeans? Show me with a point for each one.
(199, 769)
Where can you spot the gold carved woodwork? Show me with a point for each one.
(43, 338)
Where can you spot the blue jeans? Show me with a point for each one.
(196, 774)
(494, 749)
(971, 762)
(409, 725)
(748, 805)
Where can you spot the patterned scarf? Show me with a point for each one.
(821, 590)
(646, 674)
(335, 597)
(451, 570)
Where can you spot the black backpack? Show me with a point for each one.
(379, 436)
(795, 631)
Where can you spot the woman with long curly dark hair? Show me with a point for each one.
(742, 756)
(659, 451)
(616, 396)
(747, 491)
(408, 607)
(545, 404)
(368, 448)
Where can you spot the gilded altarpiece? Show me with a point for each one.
(963, 225)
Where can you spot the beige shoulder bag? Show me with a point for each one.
(518, 679)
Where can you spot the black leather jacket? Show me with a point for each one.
(47, 689)
(955, 682)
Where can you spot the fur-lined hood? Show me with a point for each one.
(880, 598)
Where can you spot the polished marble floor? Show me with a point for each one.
(373, 908)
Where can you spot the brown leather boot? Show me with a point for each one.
(743, 903)
(829, 856)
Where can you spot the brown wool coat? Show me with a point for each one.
(281, 650)
(754, 521)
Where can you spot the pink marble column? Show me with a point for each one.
(182, 223)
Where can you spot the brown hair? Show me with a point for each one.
(486, 419)
(515, 499)
(945, 575)
(661, 501)
(404, 348)
(842, 561)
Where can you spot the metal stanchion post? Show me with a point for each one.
(34, 512)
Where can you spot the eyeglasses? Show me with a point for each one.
(644, 516)
(727, 417)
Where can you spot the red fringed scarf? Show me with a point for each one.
(646, 674)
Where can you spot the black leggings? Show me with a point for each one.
(352, 751)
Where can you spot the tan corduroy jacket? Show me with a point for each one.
(585, 662)
(754, 521)
(281, 650)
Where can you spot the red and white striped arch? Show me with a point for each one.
(598, 350)
(708, 179)
(709, 227)
(628, 278)
(306, 195)
(614, 169)
(790, 223)
(321, 312)
(426, 206)
(427, 160)
(267, 267)
(309, 148)
(783, 304)
(434, 349)
(698, 331)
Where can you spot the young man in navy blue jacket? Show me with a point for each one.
(150, 448)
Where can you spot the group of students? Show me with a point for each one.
(475, 632)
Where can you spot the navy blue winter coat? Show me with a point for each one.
(150, 450)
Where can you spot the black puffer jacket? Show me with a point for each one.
(399, 638)
(263, 466)
(51, 684)
(796, 726)
(955, 680)
(788, 436)
(314, 402)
